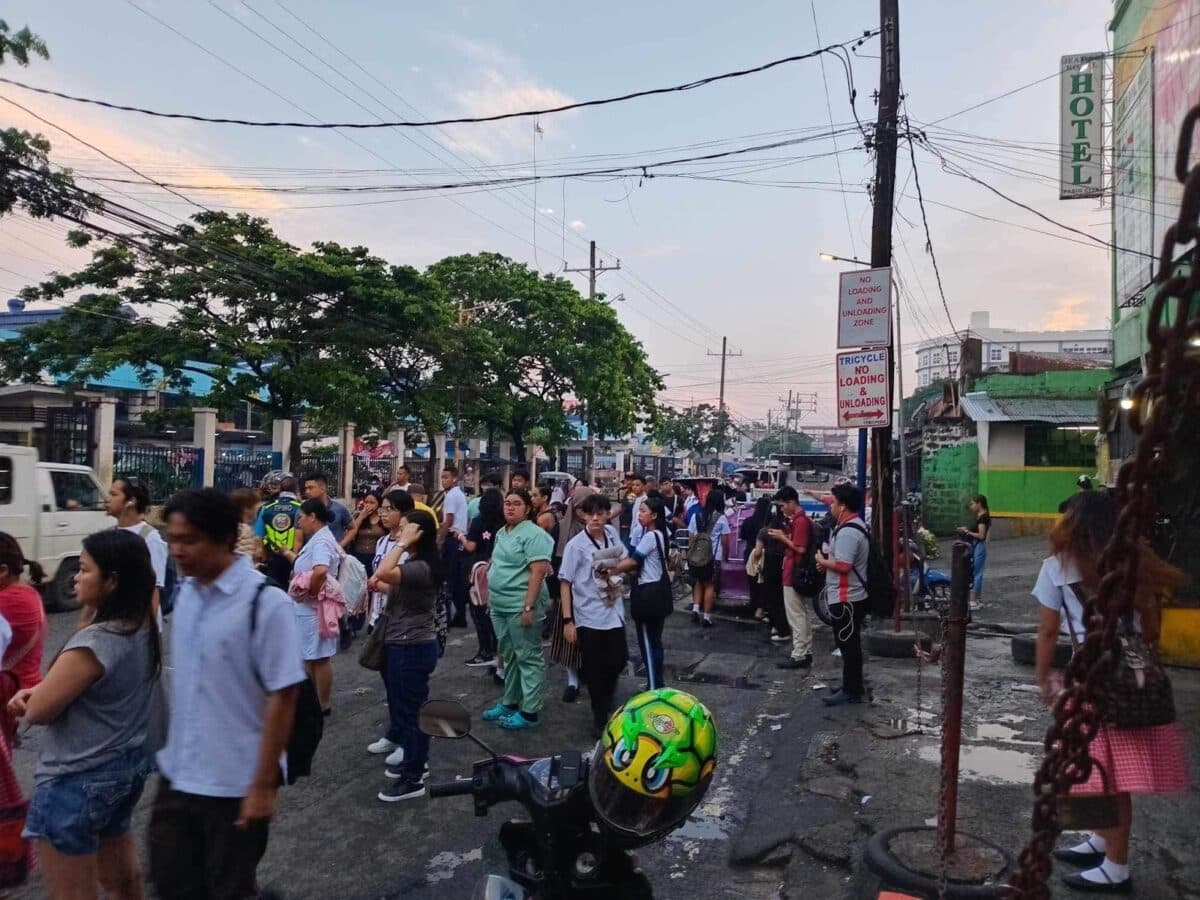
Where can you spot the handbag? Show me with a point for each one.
(1136, 692)
(371, 654)
(653, 599)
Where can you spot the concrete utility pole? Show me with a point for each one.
(593, 270)
(881, 249)
(721, 395)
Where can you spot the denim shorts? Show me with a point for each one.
(73, 812)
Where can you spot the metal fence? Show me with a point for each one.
(328, 465)
(241, 469)
(163, 470)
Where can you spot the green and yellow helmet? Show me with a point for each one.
(653, 764)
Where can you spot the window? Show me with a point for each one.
(923, 380)
(75, 491)
(1046, 445)
(952, 356)
(6, 479)
(995, 354)
(937, 357)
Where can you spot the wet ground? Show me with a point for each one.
(799, 788)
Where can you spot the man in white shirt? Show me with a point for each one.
(403, 477)
(454, 518)
(236, 672)
(638, 484)
(127, 502)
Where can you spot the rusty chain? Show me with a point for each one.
(1170, 386)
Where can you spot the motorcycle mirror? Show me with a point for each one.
(444, 719)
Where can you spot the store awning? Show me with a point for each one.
(980, 407)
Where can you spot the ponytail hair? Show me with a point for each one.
(15, 561)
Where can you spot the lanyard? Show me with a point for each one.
(594, 544)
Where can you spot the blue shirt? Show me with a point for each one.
(342, 519)
(217, 699)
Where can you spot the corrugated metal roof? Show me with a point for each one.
(982, 408)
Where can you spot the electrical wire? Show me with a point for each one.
(429, 123)
(829, 108)
(928, 237)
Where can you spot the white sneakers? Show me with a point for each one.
(395, 757)
(383, 745)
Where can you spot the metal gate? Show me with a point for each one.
(70, 435)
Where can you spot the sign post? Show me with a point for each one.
(863, 397)
(1081, 111)
(865, 308)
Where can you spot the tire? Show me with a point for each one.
(60, 596)
(821, 608)
(888, 644)
(881, 862)
(1024, 651)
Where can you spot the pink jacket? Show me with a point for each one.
(331, 603)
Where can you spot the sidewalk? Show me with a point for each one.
(838, 776)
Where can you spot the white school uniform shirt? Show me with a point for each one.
(576, 569)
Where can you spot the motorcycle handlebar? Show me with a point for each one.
(451, 788)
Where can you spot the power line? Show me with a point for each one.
(829, 108)
(928, 237)
(460, 120)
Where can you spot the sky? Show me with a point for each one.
(733, 253)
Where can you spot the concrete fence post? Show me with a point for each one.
(204, 435)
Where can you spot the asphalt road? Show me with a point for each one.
(333, 838)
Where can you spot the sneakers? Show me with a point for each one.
(479, 660)
(381, 746)
(841, 698)
(571, 694)
(402, 789)
(497, 712)
(396, 773)
(778, 638)
(792, 663)
(706, 622)
(975, 606)
(517, 722)
(395, 758)
(498, 678)
(695, 617)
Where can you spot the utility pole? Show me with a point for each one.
(881, 249)
(721, 395)
(593, 270)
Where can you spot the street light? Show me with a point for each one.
(830, 257)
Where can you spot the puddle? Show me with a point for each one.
(993, 731)
(701, 828)
(1013, 719)
(994, 765)
(441, 867)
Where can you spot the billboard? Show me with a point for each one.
(1177, 85)
(1133, 183)
(1081, 126)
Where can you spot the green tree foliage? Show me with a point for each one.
(533, 349)
(221, 297)
(26, 179)
(781, 441)
(702, 429)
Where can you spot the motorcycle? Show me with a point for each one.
(561, 852)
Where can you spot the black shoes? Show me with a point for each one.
(841, 698)
(571, 694)
(793, 663)
(1079, 883)
(1078, 858)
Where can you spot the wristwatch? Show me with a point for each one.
(568, 620)
(529, 609)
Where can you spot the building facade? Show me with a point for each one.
(938, 358)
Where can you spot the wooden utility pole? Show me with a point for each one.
(724, 354)
(886, 129)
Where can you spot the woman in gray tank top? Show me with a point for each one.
(96, 704)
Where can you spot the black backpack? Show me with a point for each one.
(309, 724)
(807, 579)
(881, 591)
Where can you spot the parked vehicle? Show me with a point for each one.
(50, 508)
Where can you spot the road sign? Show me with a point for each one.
(865, 308)
(862, 389)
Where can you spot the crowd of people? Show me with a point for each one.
(247, 598)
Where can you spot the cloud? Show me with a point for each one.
(545, 210)
(577, 225)
(494, 83)
(1069, 314)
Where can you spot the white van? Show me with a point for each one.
(50, 508)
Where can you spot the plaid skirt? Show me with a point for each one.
(1139, 761)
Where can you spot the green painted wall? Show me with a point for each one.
(949, 479)
(1026, 492)
(1078, 385)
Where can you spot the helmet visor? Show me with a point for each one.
(632, 813)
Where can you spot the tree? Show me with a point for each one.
(781, 441)
(534, 350)
(225, 300)
(702, 430)
(26, 179)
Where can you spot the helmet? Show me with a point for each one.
(652, 765)
(273, 480)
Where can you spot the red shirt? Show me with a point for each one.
(801, 530)
(21, 605)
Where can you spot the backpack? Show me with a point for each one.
(166, 597)
(807, 580)
(308, 726)
(700, 550)
(881, 592)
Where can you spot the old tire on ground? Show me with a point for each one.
(881, 862)
(887, 644)
(1024, 651)
(60, 595)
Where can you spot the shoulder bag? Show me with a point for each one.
(653, 600)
